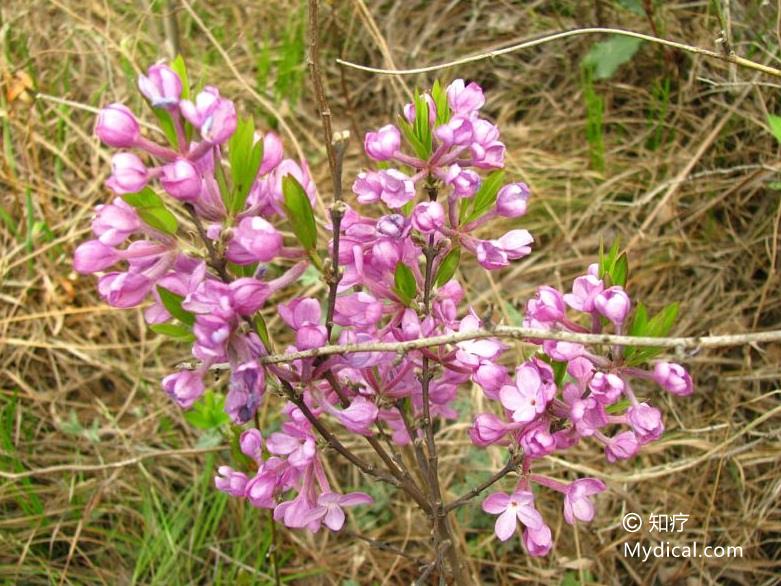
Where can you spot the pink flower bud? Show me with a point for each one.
(428, 216)
(124, 290)
(606, 387)
(397, 188)
(311, 336)
(512, 200)
(114, 222)
(646, 422)
(359, 417)
(247, 385)
(465, 99)
(491, 377)
(161, 86)
(621, 447)
(117, 126)
(93, 256)
(357, 309)
(185, 387)
(181, 180)
(254, 240)
(515, 244)
(547, 307)
(213, 115)
(392, 226)
(251, 444)
(383, 144)
(584, 291)
(465, 182)
(386, 253)
(488, 429)
(249, 295)
(537, 440)
(577, 499)
(673, 378)
(614, 304)
(129, 174)
(457, 132)
(273, 152)
(229, 481)
(538, 542)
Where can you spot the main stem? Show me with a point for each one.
(444, 540)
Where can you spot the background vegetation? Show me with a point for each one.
(673, 153)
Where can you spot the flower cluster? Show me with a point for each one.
(439, 178)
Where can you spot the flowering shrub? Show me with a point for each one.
(392, 279)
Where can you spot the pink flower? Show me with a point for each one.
(181, 180)
(577, 499)
(117, 126)
(519, 506)
(673, 378)
(251, 444)
(359, 417)
(273, 153)
(161, 86)
(114, 222)
(465, 182)
(396, 188)
(538, 541)
(212, 114)
(368, 187)
(93, 256)
(621, 446)
(584, 291)
(185, 387)
(329, 508)
(547, 307)
(646, 422)
(247, 386)
(606, 387)
(464, 99)
(456, 132)
(537, 441)
(254, 240)
(529, 396)
(383, 144)
(357, 309)
(488, 429)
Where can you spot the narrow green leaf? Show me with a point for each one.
(245, 156)
(146, 198)
(152, 210)
(439, 94)
(166, 123)
(422, 124)
(606, 57)
(447, 268)
(405, 284)
(176, 331)
(180, 68)
(775, 125)
(620, 271)
(485, 197)
(661, 324)
(262, 330)
(299, 212)
(639, 325)
(409, 134)
(173, 303)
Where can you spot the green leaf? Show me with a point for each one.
(656, 327)
(422, 125)
(775, 125)
(262, 330)
(439, 94)
(173, 303)
(245, 156)
(606, 57)
(447, 268)
(607, 261)
(618, 407)
(409, 134)
(152, 210)
(299, 212)
(620, 270)
(208, 412)
(177, 331)
(485, 198)
(405, 285)
(180, 68)
(166, 123)
(639, 325)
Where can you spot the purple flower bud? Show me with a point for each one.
(538, 542)
(614, 304)
(359, 417)
(584, 291)
(487, 151)
(357, 309)
(251, 444)
(185, 387)
(392, 226)
(383, 144)
(215, 116)
(114, 222)
(386, 253)
(547, 307)
(457, 132)
(490, 256)
(621, 447)
(465, 99)
(161, 86)
(491, 377)
(300, 312)
(397, 188)
(673, 378)
(512, 199)
(368, 187)
(230, 481)
(428, 216)
(181, 180)
(577, 499)
(129, 174)
(93, 256)
(562, 351)
(247, 385)
(646, 422)
(515, 244)
(537, 440)
(606, 387)
(117, 126)
(488, 429)
(273, 153)
(254, 240)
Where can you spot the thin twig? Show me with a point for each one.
(727, 57)
(511, 465)
(526, 334)
(215, 261)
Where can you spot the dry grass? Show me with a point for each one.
(693, 167)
